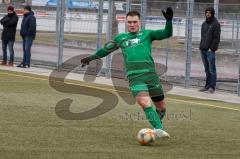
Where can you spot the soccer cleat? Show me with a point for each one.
(159, 133)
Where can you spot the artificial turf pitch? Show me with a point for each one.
(30, 127)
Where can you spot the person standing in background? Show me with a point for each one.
(28, 33)
(9, 23)
(210, 38)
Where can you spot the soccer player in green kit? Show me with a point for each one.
(140, 68)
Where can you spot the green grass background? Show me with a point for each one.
(29, 127)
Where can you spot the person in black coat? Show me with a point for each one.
(28, 33)
(9, 23)
(210, 38)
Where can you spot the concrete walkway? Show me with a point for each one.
(192, 92)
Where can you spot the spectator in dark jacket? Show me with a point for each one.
(210, 38)
(9, 23)
(28, 33)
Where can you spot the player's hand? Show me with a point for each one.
(168, 14)
(85, 61)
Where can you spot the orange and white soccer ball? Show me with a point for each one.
(146, 136)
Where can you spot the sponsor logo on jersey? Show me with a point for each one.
(129, 43)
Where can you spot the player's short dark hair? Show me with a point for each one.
(133, 13)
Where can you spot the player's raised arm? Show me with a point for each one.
(107, 49)
(167, 31)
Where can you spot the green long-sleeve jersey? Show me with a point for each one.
(136, 48)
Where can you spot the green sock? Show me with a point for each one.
(153, 117)
(161, 113)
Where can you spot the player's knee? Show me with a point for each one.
(143, 101)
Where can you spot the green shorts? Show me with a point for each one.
(145, 82)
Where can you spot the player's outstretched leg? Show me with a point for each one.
(155, 121)
(145, 102)
(153, 118)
